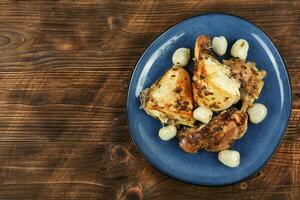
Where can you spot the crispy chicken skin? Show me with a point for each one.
(170, 98)
(213, 86)
(250, 79)
(217, 135)
(216, 86)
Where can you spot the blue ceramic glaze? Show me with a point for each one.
(260, 141)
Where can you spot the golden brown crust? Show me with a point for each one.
(170, 98)
(202, 46)
(207, 71)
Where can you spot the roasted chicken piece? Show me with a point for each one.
(170, 98)
(213, 86)
(250, 79)
(217, 135)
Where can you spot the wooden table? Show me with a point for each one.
(64, 72)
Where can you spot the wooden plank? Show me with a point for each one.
(54, 166)
(64, 73)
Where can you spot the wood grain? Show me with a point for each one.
(64, 73)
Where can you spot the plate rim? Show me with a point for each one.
(178, 178)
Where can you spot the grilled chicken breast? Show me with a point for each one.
(169, 99)
(213, 86)
(217, 135)
(250, 79)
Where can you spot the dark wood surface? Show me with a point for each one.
(64, 73)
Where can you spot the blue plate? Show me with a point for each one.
(260, 141)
